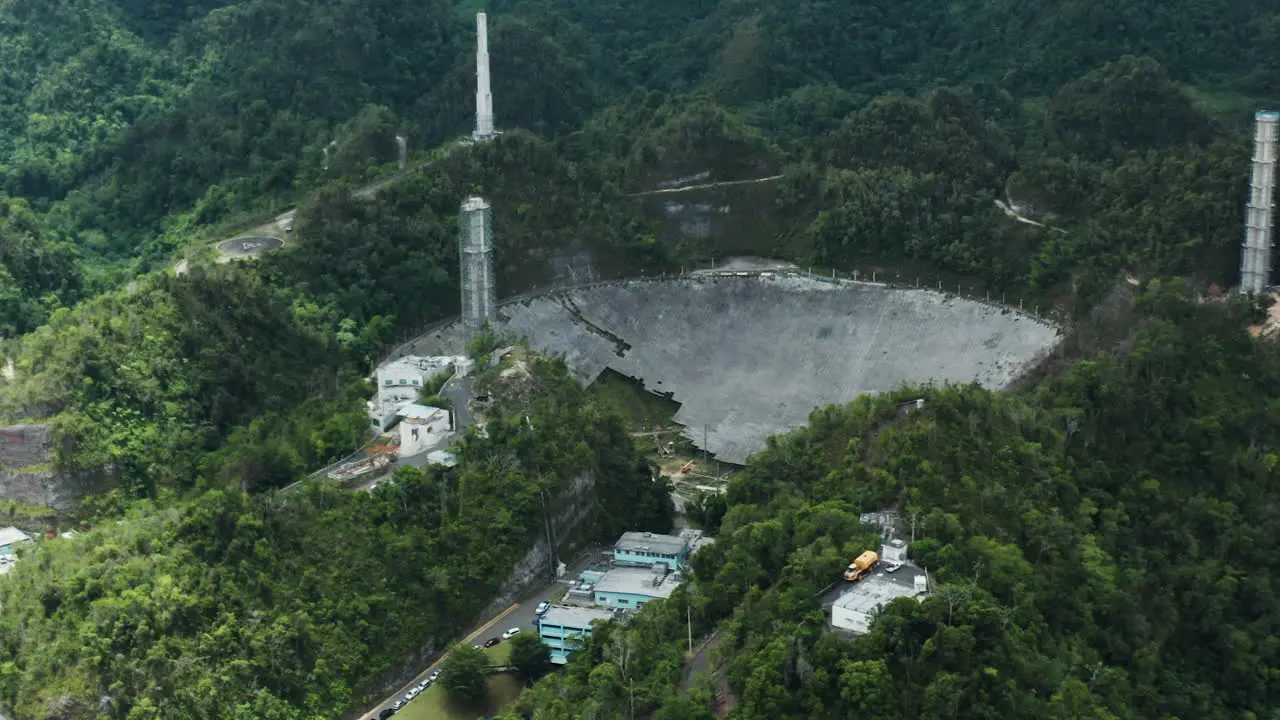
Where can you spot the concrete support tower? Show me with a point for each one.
(484, 99)
(475, 246)
(1255, 258)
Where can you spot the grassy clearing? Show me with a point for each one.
(640, 408)
(434, 703)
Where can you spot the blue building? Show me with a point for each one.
(565, 629)
(642, 549)
(630, 588)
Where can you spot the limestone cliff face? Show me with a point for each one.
(568, 511)
(27, 470)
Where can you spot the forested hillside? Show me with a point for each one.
(236, 605)
(134, 123)
(1103, 547)
(1103, 537)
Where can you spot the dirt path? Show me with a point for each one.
(706, 186)
(1008, 210)
(1270, 326)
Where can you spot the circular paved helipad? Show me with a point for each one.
(251, 246)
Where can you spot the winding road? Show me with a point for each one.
(280, 227)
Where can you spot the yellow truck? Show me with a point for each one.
(861, 566)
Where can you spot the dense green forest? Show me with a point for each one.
(275, 605)
(1103, 547)
(1101, 536)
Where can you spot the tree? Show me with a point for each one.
(463, 674)
(530, 656)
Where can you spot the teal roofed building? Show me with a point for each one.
(642, 549)
(565, 629)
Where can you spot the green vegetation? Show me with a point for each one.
(208, 117)
(13, 512)
(282, 605)
(500, 690)
(641, 408)
(1099, 545)
(530, 656)
(1105, 533)
(463, 674)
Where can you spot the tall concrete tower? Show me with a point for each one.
(1255, 258)
(484, 98)
(475, 246)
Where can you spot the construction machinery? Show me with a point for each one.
(861, 565)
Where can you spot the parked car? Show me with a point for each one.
(424, 685)
(893, 567)
(491, 642)
(397, 705)
(510, 633)
(386, 713)
(543, 607)
(411, 694)
(434, 674)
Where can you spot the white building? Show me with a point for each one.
(856, 607)
(894, 551)
(422, 427)
(442, 457)
(400, 382)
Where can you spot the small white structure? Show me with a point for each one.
(856, 608)
(413, 371)
(442, 457)
(421, 427)
(400, 382)
(894, 551)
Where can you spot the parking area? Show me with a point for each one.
(519, 616)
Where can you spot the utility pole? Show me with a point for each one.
(551, 548)
(689, 614)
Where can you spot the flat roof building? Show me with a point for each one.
(565, 629)
(643, 549)
(421, 428)
(399, 383)
(630, 588)
(10, 538)
(856, 605)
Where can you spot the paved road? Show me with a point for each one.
(520, 615)
(458, 390)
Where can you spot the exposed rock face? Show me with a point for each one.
(27, 470)
(568, 510)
